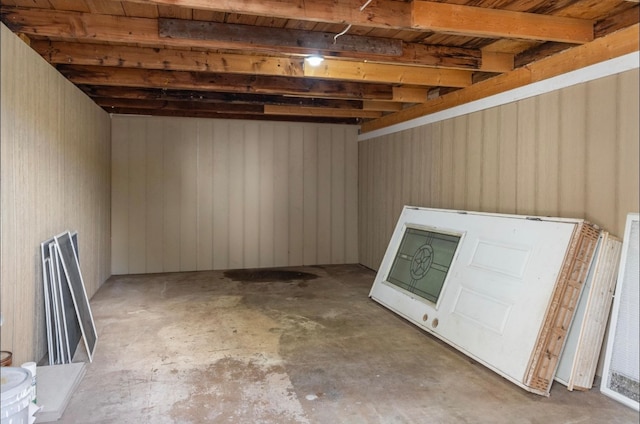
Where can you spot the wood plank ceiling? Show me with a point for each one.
(384, 60)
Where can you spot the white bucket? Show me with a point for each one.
(16, 395)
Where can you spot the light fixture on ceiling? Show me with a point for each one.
(314, 60)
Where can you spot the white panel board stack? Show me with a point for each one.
(621, 375)
(500, 288)
(582, 349)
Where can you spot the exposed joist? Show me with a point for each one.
(59, 52)
(395, 74)
(614, 45)
(410, 94)
(298, 39)
(320, 111)
(448, 18)
(187, 60)
(381, 106)
(230, 83)
(217, 97)
(113, 103)
(223, 115)
(617, 22)
(73, 26)
(378, 14)
(498, 23)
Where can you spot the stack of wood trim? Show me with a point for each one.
(546, 355)
(596, 315)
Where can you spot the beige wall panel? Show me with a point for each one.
(434, 160)
(136, 230)
(460, 158)
(474, 162)
(251, 203)
(324, 196)
(154, 196)
(188, 206)
(507, 158)
(628, 194)
(447, 163)
(281, 195)
(55, 165)
(601, 153)
(204, 186)
(407, 178)
(547, 159)
(571, 153)
(526, 147)
(233, 194)
(221, 202)
(236, 196)
(572, 181)
(172, 162)
(416, 177)
(310, 197)
(351, 195)
(337, 195)
(489, 158)
(398, 200)
(380, 205)
(296, 196)
(120, 214)
(267, 207)
(393, 169)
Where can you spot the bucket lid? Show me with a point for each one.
(16, 390)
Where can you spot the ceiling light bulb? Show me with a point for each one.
(314, 60)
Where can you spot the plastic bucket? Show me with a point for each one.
(16, 395)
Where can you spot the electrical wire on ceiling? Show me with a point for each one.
(335, 37)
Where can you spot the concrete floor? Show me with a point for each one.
(309, 348)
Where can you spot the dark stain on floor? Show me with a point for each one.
(268, 275)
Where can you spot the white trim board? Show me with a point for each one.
(589, 73)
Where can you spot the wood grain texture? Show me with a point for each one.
(55, 163)
(233, 194)
(570, 153)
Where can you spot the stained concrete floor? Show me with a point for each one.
(311, 347)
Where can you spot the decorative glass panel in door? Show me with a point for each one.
(422, 262)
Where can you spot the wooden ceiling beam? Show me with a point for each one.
(608, 47)
(381, 106)
(223, 115)
(216, 97)
(378, 14)
(73, 26)
(251, 35)
(394, 74)
(113, 103)
(230, 83)
(410, 94)
(320, 111)
(416, 15)
(58, 52)
(498, 23)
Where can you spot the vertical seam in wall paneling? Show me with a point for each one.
(517, 143)
(197, 191)
(559, 152)
(587, 150)
(536, 156)
(616, 147)
(146, 198)
(162, 201)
